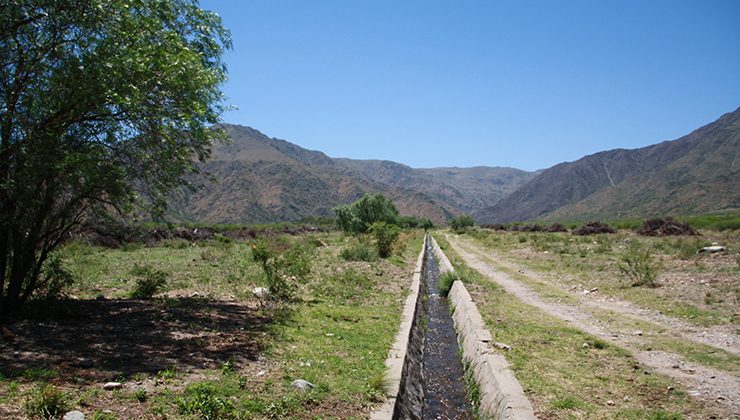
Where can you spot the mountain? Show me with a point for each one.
(465, 189)
(261, 179)
(697, 173)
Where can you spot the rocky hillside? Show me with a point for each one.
(261, 179)
(697, 173)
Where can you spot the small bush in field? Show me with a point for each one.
(46, 402)
(283, 266)
(639, 265)
(149, 282)
(359, 252)
(201, 400)
(385, 235)
(445, 282)
(54, 281)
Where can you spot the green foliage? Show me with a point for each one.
(55, 280)
(567, 403)
(46, 402)
(360, 215)
(385, 235)
(445, 282)
(378, 385)
(40, 373)
(227, 367)
(461, 222)
(201, 399)
(149, 282)
(414, 222)
(283, 265)
(639, 265)
(105, 104)
(359, 252)
(141, 395)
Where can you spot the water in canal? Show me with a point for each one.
(445, 395)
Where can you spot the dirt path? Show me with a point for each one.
(703, 382)
(720, 336)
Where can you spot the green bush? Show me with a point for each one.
(639, 265)
(55, 279)
(385, 235)
(149, 282)
(141, 395)
(360, 215)
(461, 222)
(414, 222)
(358, 252)
(445, 282)
(46, 402)
(200, 399)
(283, 265)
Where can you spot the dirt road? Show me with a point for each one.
(702, 382)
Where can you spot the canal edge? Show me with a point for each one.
(501, 395)
(397, 354)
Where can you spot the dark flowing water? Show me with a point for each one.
(445, 395)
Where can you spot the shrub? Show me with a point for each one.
(55, 279)
(149, 282)
(385, 235)
(638, 265)
(593, 228)
(283, 265)
(358, 252)
(461, 222)
(378, 385)
(46, 402)
(201, 399)
(445, 282)
(141, 395)
(413, 222)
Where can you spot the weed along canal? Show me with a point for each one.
(432, 383)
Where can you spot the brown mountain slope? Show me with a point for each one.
(261, 180)
(465, 189)
(695, 174)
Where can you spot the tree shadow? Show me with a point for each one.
(98, 340)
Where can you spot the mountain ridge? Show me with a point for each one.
(263, 179)
(633, 182)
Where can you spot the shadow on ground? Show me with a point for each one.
(97, 340)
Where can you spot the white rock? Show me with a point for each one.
(302, 385)
(112, 385)
(502, 346)
(712, 249)
(261, 292)
(638, 332)
(74, 415)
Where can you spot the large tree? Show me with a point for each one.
(103, 104)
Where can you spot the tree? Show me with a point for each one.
(461, 222)
(361, 214)
(103, 104)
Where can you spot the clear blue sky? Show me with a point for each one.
(526, 84)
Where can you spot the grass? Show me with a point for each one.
(567, 373)
(336, 335)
